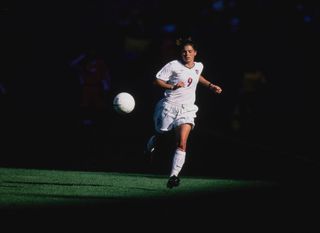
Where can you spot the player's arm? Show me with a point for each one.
(217, 89)
(165, 85)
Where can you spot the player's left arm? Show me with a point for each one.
(217, 89)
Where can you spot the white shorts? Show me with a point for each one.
(169, 115)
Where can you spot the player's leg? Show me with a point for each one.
(163, 122)
(151, 144)
(182, 133)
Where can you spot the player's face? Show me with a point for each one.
(188, 54)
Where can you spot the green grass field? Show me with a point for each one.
(22, 187)
(43, 200)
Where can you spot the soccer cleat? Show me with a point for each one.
(173, 181)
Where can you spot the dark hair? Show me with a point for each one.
(181, 42)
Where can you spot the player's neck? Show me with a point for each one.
(189, 64)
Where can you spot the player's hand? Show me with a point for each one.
(216, 88)
(178, 85)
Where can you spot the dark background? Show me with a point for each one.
(42, 123)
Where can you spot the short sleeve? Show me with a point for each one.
(165, 72)
(200, 67)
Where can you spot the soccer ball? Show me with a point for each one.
(123, 103)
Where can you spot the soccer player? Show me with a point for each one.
(177, 109)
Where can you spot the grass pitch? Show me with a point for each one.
(33, 187)
(42, 200)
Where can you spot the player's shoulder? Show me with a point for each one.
(174, 63)
(199, 64)
(198, 67)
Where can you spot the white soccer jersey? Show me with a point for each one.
(174, 72)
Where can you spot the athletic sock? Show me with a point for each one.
(178, 161)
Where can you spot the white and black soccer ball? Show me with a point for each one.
(123, 103)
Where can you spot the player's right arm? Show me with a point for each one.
(165, 85)
(163, 78)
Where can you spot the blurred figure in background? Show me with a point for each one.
(95, 82)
